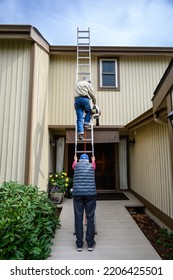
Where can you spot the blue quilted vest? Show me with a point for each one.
(84, 179)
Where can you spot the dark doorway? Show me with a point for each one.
(105, 161)
(105, 171)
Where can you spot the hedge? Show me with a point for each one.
(28, 222)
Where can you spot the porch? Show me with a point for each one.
(118, 237)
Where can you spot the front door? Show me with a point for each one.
(105, 165)
(105, 171)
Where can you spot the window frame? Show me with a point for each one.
(100, 86)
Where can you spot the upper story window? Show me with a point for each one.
(108, 73)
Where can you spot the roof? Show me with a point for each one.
(29, 32)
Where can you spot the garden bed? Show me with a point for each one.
(160, 238)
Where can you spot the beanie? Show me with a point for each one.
(84, 157)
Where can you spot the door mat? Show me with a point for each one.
(112, 196)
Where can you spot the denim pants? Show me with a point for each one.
(82, 105)
(87, 203)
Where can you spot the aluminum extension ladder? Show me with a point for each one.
(84, 69)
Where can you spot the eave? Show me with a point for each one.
(116, 51)
(164, 87)
(140, 121)
(22, 32)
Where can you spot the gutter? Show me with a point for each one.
(113, 50)
(141, 120)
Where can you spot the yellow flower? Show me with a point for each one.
(52, 180)
(50, 176)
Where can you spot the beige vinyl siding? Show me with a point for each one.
(61, 90)
(39, 134)
(138, 78)
(150, 166)
(14, 91)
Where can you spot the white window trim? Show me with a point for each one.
(116, 72)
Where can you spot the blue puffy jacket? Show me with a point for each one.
(84, 179)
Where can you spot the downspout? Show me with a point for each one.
(27, 178)
(158, 119)
(170, 129)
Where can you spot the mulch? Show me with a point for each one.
(152, 231)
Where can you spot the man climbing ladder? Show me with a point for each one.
(84, 95)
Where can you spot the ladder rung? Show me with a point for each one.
(84, 140)
(83, 57)
(83, 44)
(81, 37)
(84, 151)
(83, 64)
(84, 31)
(83, 50)
(83, 73)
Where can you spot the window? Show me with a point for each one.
(108, 73)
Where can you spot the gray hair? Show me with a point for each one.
(86, 79)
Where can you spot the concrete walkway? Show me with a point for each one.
(118, 237)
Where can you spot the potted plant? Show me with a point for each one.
(58, 183)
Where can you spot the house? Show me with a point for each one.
(133, 144)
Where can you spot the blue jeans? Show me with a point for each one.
(87, 203)
(82, 105)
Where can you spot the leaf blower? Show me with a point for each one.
(96, 113)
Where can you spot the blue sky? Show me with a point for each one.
(112, 22)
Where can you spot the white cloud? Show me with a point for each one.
(112, 22)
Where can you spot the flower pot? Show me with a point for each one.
(56, 197)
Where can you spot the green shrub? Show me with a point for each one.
(166, 240)
(28, 222)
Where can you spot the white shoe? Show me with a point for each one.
(90, 249)
(79, 249)
(80, 136)
(87, 126)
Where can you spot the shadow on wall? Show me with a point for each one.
(38, 140)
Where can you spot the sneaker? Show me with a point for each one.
(90, 249)
(87, 126)
(79, 249)
(80, 136)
